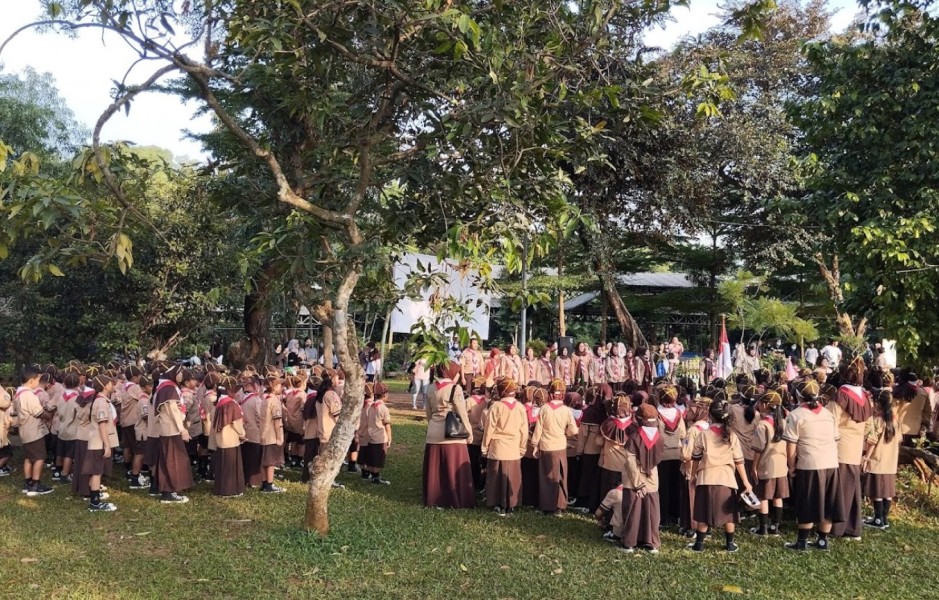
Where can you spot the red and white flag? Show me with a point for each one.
(725, 365)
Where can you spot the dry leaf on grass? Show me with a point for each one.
(29, 560)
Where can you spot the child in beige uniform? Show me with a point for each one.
(882, 440)
(67, 415)
(555, 425)
(6, 422)
(272, 434)
(227, 434)
(852, 409)
(770, 469)
(505, 441)
(328, 407)
(97, 461)
(641, 510)
(33, 425)
(378, 430)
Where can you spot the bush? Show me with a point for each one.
(538, 346)
(398, 357)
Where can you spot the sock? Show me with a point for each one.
(728, 538)
(699, 538)
(887, 502)
(879, 510)
(764, 521)
(776, 512)
(804, 535)
(96, 497)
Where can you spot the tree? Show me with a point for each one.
(873, 154)
(34, 117)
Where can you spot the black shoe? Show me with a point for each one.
(761, 531)
(270, 488)
(821, 544)
(365, 474)
(102, 507)
(696, 547)
(380, 481)
(875, 523)
(798, 545)
(173, 498)
(137, 483)
(731, 547)
(38, 489)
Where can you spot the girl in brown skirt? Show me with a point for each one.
(591, 446)
(174, 473)
(555, 425)
(228, 431)
(477, 405)
(505, 440)
(644, 451)
(447, 479)
(852, 408)
(361, 433)
(272, 434)
(83, 434)
(67, 414)
(811, 435)
(671, 480)
(770, 469)
(529, 462)
(880, 460)
(615, 432)
(293, 418)
(697, 422)
(103, 436)
(717, 457)
(378, 436)
(251, 447)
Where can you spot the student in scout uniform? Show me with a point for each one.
(609, 515)
(251, 446)
(471, 362)
(852, 408)
(615, 369)
(644, 451)
(564, 367)
(746, 418)
(505, 441)
(582, 361)
(33, 426)
(770, 469)
(128, 396)
(590, 443)
(192, 412)
(477, 405)
(554, 426)
(882, 440)
(811, 435)
(718, 457)
(510, 365)
(87, 395)
(272, 434)
(103, 437)
(6, 422)
(293, 417)
(328, 407)
(361, 432)
(173, 474)
(526, 395)
(140, 430)
(698, 421)
(532, 368)
(378, 424)
(615, 432)
(67, 416)
(311, 442)
(447, 480)
(673, 430)
(913, 407)
(228, 431)
(47, 398)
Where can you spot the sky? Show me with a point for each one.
(85, 66)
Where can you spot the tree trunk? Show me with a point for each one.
(604, 318)
(326, 466)
(632, 336)
(562, 324)
(323, 314)
(255, 347)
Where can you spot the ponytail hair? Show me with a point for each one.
(749, 393)
(884, 401)
(779, 415)
(720, 413)
(809, 393)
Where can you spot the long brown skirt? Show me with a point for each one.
(95, 463)
(573, 476)
(272, 455)
(641, 520)
(447, 477)
(503, 483)
(880, 485)
(310, 449)
(588, 488)
(552, 480)
(251, 459)
(772, 489)
(849, 482)
(715, 505)
(229, 472)
(671, 481)
(174, 470)
(80, 479)
(530, 481)
(818, 496)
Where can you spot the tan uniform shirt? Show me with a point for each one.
(67, 415)
(555, 424)
(437, 407)
(718, 457)
(672, 440)
(915, 414)
(170, 419)
(505, 436)
(293, 410)
(773, 462)
(377, 418)
(851, 443)
(327, 413)
(272, 421)
(886, 455)
(128, 396)
(634, 478)
(815, 434)
(101, 413)
(477, 410)
(251, 408)
(30, 411)
(744, 430)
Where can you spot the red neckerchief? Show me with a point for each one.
(226, 399)
(622, 422)
(717, 430)
(442, 383)
(648, 441)
(478, 399)
(770, 420)
(510, 402)
(702, 425)
(246, 398)
(20, 390)
(556, 404)
(672, 424)
(69, 396)
(815, 410)
(859, 397)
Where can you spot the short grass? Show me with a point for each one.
(385, 545)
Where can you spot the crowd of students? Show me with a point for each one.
(174, 425)
(646, 456)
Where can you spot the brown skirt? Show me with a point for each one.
(229, 472)
(772, 489)
(251, 459)
(447, 477)
(503, 483)
(79, 479)
(588, 489)
(879, 485)
(310, 449)
(641, 520)
(375, 454)
(685, 519)
(715, 505)
(849, 482)
(272, 455)
(818, 496)
(151, 452)
(671, 481)
(476, 466)
(552, 480)
(35, 451)
(95, 463)
(65, 448)
(530, 481)
(129, 439)
(174, 474)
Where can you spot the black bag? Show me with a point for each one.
(453, 427)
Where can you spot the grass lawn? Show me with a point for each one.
(385, 545)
